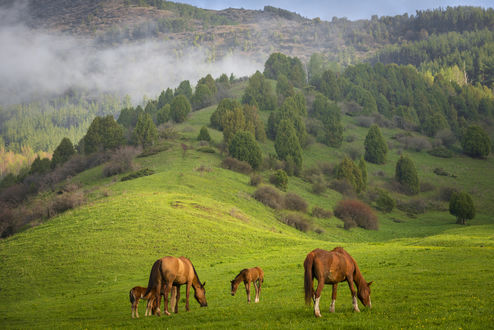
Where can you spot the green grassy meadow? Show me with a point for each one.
(75, 270)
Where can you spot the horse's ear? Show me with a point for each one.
(368, 284)
(231, 281)
(204, 284)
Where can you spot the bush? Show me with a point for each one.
(296, 221)
(343, 187)
(319, 187)
(412, 207)
(445, 193)
(236, 165)
(295, 203)
(204, 134)
(167, 131)
(321, 213)
(65, 202)
(349, 171)
(384, 202)
(364, 121)
(120, 161)
(269, 196)
(279, 179)
(426, 186)
(358, 212)
(415, 143)
(255, 180)
(137, 174)
(206, 149)
(442, 172)
(441, 152)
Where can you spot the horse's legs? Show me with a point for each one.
(333, 297)
(354, 294)
(167, 293)
(317, 297)
(187, 294)
(247, 289)
(136, 308)
(257, 285)
(177, 298)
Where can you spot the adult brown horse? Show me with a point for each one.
(248, 275)
(332, 267)
(168, 272)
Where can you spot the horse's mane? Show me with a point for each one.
(152, 276)
(195, 273)
(241, 272)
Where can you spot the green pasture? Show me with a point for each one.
(75, 270)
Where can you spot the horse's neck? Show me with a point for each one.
(358, 278)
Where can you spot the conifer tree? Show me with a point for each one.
(347, 170)
(375, 146)
(145, 133)
(62, 153)
(244, 147)
(363, 170)
(179, 109)
(475, 142)
(406, 175)
(287, 145)
(461, 205)
(204, 134)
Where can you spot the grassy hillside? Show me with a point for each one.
(75, 270)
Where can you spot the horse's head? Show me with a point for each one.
(363, 294)
(200, 294)
(234, 287)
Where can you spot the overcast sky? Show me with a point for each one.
(352, 9)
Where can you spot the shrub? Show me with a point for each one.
(137, 174)
(319, 187)
(461, 206)
(295, 203)
(353, 152)
(343, 187)
(167, 131)
(445, 193)
(204, 134)
(279, 179)
(179, 108)
(153, 150)
(441, 152)
(120, 161)
(364, 121)
(64, 202)
(349, 171)
(355, 211)
(269, 196)
(255, 180)
(426, 186)
(442, 172)
(406, 175)
(412, 207)
(236, 165)
(415, 143)
(206, 149)
(384, 202)
(321, 213)
(296, 221)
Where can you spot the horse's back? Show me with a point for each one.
(176, 269)
(334, 265)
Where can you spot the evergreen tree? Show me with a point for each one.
(287, 145)
(180, 108)
(202, 97)
(184, 89)
(224, 105)
(145, 133)
(284, 88)
(62, 153)
(103, 133)
(363, 169)
(330, 115)
(204, 134)
(163, 114)
(244, 147)
(40, 166)
(232, 122)
(259, 93)
(347, 170)
(475, 142)
(166, 97)
(375, 146)
(406, 175)
(461, 205)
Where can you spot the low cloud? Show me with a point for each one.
(36, 64)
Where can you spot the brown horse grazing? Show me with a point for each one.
(332, 267)
(171, 272)
(137, 293)
(255, 275)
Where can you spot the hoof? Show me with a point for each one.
(317, 314)
(331, 310)
(167, 312)
(356, 310)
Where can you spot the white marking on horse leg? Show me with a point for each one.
(370, 303)
(331, 309)
(355, 304)
(317, 312)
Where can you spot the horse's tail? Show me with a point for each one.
(153, 277)
(131, 296)
(308, 279)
